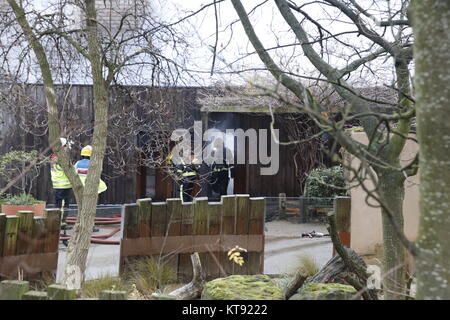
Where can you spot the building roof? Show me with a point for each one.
(245, 99)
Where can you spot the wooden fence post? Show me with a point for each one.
(200, 227)
(174, 216)
(112, 295)
(256, 227)
(212, 265)
(25, 232)
(144, 217)
(187, 224)
(242, 225)
(159, 219)
(11, 231)
(342, 211)
(59, 292)
(35, 295)
(38, 235)
(130, 228)
(129, 231)
(13, 289)
(200, 216)
(2, 232)
(159, 224)
(52, 228)
(228, 228)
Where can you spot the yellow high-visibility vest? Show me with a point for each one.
(59, 178)
(82, 173)
(101, 187)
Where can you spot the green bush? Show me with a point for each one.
(23, 164)
(326, 183)
(22, 199)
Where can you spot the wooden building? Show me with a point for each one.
(231, 112)
(181, 107)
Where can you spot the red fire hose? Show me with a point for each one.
(98, 239)
(98, 221)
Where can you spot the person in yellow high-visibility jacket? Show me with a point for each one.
(61, 186)
(82, 168)
(60, 182)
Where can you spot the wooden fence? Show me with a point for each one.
(171, 231)
(29, 244)
(20, 290)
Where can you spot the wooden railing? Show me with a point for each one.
(171, 231)
(29, 244)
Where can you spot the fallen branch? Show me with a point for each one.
(295, 284)
(352, 262)
(193, 289)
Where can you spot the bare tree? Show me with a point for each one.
(385, 29)
(72, 41)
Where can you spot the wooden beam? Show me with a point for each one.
(52, 228)
(144, 217)
(228, 228)
(10, 240)
(25, 232)
(2, 232)
(249, 109)
(130, 229)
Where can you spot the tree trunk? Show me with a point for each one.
(78, 249)
(87, 196)
(392, 193)
(431, 19)
(295, 284)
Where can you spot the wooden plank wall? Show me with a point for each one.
(248, 176)
(29, 243)
(75, 104)
(170, 231)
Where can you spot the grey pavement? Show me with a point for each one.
(283, 255)
(283, 249)
(103, 260)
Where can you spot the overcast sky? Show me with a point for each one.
(271, 28)
(233, 45)
(235, 53)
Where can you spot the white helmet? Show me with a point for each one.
(65, 142)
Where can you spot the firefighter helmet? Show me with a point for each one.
(86, 151)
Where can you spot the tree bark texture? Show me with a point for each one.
(431, 24)
(392, 193)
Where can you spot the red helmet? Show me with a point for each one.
(53, 156)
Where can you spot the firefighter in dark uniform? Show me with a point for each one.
(187, 174)
(221, 170)
(330, 147)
